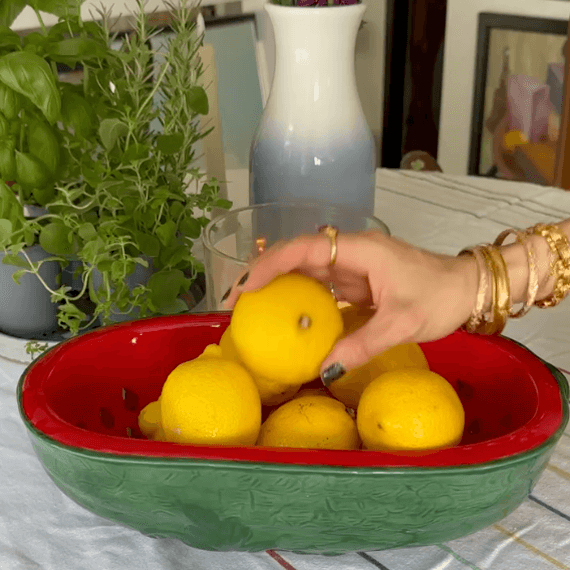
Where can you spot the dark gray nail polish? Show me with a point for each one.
(332, 373)
(243, 279)
(226, 295)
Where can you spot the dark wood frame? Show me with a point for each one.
(413, 74)
(487, 23)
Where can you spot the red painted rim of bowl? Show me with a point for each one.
(43, 421)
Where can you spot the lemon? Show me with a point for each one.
(285, 330)
(149, 419)
(210, 401)
(212, 351)
(310, 421)
(227, 345)
(271, 392)
(512, 139)
(350, 386)
(410, 409)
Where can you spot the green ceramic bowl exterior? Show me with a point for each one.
(221, 505)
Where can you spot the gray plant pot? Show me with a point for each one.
(26, 309)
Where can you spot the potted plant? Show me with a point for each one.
(132, 198)
(30, 104)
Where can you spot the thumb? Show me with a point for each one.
(358, 348)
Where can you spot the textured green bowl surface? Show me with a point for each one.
(328, 510)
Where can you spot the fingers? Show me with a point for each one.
(357, 349)
(309, 255)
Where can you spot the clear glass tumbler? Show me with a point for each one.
(231, 239)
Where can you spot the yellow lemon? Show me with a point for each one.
(271, 392)
(149, 419)
(310, 421)
(210, 401)
(227, 345)
(512, 139)
(284, 330)
(410, 409)
(350, 386)
(212, 351)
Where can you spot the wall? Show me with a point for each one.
(459, 69)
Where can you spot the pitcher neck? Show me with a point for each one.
(315, 45)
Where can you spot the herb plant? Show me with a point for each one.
(129, 192)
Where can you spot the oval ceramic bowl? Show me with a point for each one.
(80, 403)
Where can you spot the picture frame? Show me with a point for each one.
(517, 104)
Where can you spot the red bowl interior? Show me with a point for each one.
(87, 393)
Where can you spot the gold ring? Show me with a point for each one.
(331, 232)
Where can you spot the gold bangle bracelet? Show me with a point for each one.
(532, 287)
(477, 314)
(495, 322)
(560, 266)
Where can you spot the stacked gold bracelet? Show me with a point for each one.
(492, 270)
(560, 265)
(494, 320)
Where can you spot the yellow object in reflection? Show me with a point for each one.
(512, 139)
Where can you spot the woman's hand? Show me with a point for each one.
(419, 296)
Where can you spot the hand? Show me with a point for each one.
(419, 296)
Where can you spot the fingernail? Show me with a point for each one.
(332, 373)
(226, 295)
(243, 279)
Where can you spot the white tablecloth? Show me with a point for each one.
(40, 528)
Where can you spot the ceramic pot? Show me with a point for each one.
(26, 309)
(313, 141)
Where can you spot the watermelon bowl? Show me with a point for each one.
(80, 402)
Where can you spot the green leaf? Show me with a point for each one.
(43, 144)
(31, 171)
(191, 228)
(56, 239)
(77, 114)
(110, 131)
(165, 286)
(198, 100)
(166, 232)
(10, 102)
(221, 203)
(5, 231)
(87, 231)
(7, 160)
(31, 76)
(136, 152)
(178, 306)
(57, 7)
(73, 50)
(8, 38)
(13, 259)
(17, 275)
(10, 10)
(148, 244)
(170, 144)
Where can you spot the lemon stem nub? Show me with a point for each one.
(305, 321)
